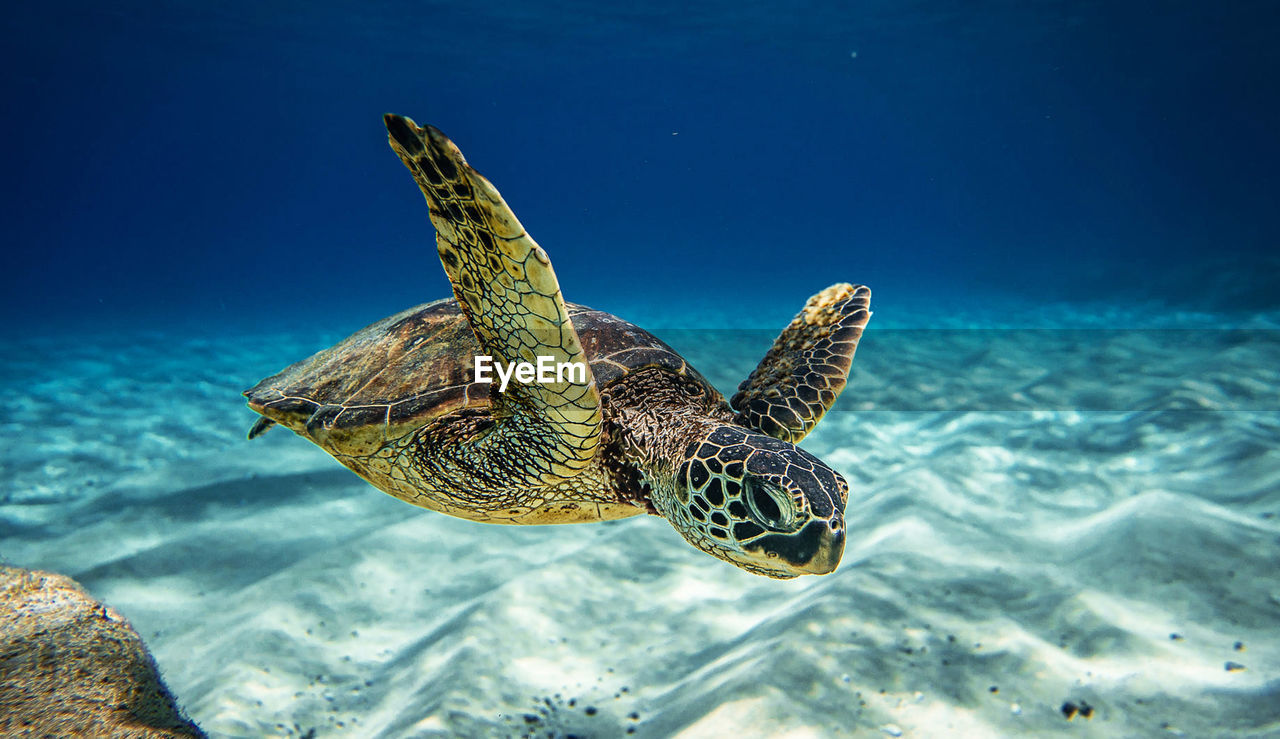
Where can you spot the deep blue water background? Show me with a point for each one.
(225, 163)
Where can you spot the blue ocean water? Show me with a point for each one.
(226, 162)
(1062, 432)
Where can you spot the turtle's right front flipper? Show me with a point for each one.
(505, 285)
(804, 372)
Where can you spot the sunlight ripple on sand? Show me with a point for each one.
(1088, 516)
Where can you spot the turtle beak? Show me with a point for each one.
(813, 550)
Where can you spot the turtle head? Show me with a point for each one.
(760, 503)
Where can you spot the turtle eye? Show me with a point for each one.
(769, 505)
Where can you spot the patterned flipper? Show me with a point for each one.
(800, 378)
(506, 287)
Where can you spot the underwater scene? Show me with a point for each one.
(1042, 498)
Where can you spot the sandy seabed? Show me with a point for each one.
(1043, 522)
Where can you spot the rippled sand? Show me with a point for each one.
(1038, 518)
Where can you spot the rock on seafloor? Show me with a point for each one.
(70, 666)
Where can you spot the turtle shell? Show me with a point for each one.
(400, 373)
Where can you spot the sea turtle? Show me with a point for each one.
(634, 430)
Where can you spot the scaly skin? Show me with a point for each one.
(506, 287)
(807, 367)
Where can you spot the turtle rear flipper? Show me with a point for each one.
(506, 287)
(262, 426)
(800, 378)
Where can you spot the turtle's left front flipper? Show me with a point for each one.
(800, 378)
(545, 432)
